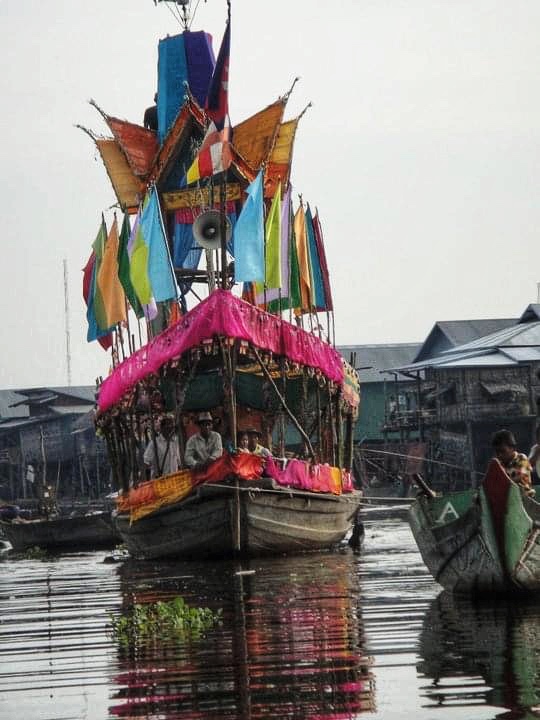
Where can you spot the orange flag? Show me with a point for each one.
(112, 292)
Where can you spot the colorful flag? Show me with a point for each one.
(160, 270)
(273, 242)
(248, 235)
(105, 340)
(317, 287)
(108, 282)
(322, 260)
(138, 269)
(274, 294)
(123, 268)
(302, 250)
(97, 300)
(217, 101)
(214, 155)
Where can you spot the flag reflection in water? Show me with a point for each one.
(290, 645)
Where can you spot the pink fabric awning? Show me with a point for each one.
(221, 313)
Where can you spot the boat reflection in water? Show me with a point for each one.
(482, 654)
(290, 645)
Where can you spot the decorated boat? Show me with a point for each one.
(215, 298)
(481, 541)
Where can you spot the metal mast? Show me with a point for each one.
(66, 318)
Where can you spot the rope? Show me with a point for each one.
(414, 457)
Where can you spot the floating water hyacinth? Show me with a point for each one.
(174, 618)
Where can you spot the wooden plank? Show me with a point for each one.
(197, 197)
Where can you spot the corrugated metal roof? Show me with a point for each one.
(86, 393)
(522, 335)
(70, 409)
(380, 357)
(9, 398)
(523, 354)
(460, 332)
(447, 334)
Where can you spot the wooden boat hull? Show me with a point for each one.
(481, 542)
(63, 533)
(273, 521)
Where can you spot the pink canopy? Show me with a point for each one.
(221, 313)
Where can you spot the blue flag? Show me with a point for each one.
(248, 235)
(317, 286)
(160, 269)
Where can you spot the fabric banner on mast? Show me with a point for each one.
(112, 292)
(302, 250)
(248, 236)
(317, 288)
(123, 268)
(138, 269)
(159, 268)
(322, 260)
(273, 243)
(217, 101)
(95, 314)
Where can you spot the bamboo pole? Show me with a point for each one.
(289, 412)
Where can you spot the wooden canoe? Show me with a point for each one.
(484, 541)
(82, 532)
(266, 518)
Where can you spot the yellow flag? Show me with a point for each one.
(112, 293)
(300, 232)
(273, 242)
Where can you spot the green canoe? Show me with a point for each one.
(481, 541)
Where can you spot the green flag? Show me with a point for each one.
(99, 250)
(273, 242)
(123, 268)
(293, 300)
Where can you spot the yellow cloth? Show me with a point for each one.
(168, 490)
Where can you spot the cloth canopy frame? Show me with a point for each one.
(221, 314)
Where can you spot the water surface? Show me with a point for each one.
(325, 636)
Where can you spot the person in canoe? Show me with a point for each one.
(516, 464)
(203, 447)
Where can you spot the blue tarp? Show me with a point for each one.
(172, 74)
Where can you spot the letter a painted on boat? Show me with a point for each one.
(448, 509)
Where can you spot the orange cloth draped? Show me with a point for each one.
(170, 489)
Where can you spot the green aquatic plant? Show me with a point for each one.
(35, 553)
(161, 620)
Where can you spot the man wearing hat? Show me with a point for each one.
(205, 446)
(168, 453)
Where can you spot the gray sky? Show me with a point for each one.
(421, 153)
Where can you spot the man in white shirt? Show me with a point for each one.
(168, 452)
(205, 446)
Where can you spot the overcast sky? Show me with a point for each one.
(421, 152)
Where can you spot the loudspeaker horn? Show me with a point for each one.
(207, 230)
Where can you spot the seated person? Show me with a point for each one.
(253, 444)
(203, 447)
(168, 452)
(516, 464)
(243, 442)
